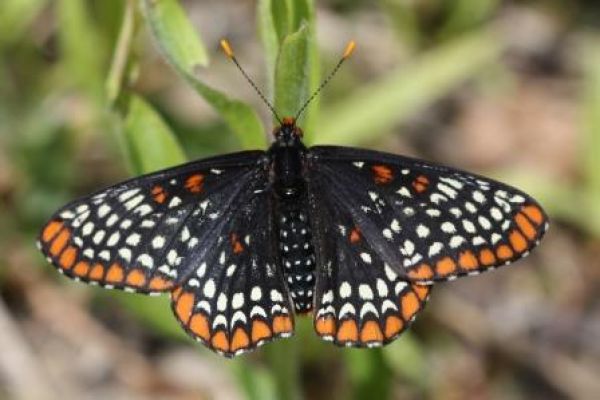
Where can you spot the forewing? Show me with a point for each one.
(428, 222)
(148, 233)
(236, 298)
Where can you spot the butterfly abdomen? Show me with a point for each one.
(296, 252)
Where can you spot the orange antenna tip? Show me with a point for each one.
(227, 48)
(349, 49)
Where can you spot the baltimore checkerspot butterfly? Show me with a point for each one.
(245, 241)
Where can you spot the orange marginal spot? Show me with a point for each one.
(534, 213)
(348, 331)
(504, 252)
(517, 241)
(159, 194)
(410, 305)
(81, 269)
(420, 184)
(445, 266)
(184, 306)
(136, 278)
(115, 274)
(194, 183)
(176, 293)
(382, 174)
(371, 332)
(236, 245)
(97, 272)
(525, 226)
(220, 342)
(393, 326)
(422, 291)
(240, 340)
(355, 235)
(423, 271)
(199, 325)
(51, 230)
(325, 326)
(467, 260)
(487, 257)
(59, 242)
(260, 331)
(160, 283)
(282, 323)
(67, 258)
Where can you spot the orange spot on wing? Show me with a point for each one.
(59, 242)
(423, 271)
(410, 305)
(371, 332)
(136, 278)
(199, 325)
(194, 183)
(534, 213)
(97, 272)
(382, 174)
(68, 257)
(467, 260)
(184, 305)
(422, 291)
(517, 241)
(348, 331)
(445, 266)
(81, 269)
(160, 283)
(51, 230)
(325, 326)
(236, 245)
(220, 342)
(393, 326)
(526, 227)
(282, 323)
(240, 340)
(504, 252)
(420, 184)
(158, 194)
(487, 257)
(355, 235)
(260, 331)
(115, 273)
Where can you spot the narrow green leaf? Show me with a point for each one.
(179, 43)
(371, 111)
(121, 53)
(149, 142)
(294, 75)
(270, 41)
(179, 40)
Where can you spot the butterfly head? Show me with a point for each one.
(288, 132)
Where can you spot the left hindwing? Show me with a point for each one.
(428, 222)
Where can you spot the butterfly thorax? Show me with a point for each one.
(295, 240)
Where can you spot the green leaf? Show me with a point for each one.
(181, 46)
(591, 116)
(406, 357)
(149, 142)
(270, 40)
(121, 53)
(294, 76)
(371, 111)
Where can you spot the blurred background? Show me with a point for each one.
(509, 89)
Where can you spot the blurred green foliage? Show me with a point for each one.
(61, 91)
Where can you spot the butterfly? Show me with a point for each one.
(244, 242)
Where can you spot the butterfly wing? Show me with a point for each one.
(386, 227)
(184, 230)
(427, 221)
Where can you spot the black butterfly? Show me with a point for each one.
(244, 241)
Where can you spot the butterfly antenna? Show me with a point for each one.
(347, 53)
(229, 53)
